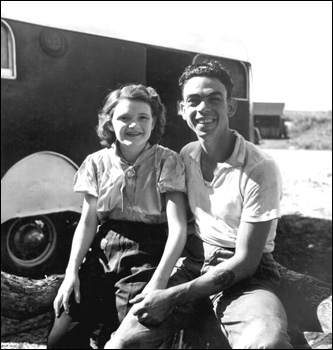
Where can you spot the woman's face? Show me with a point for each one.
(132, 122)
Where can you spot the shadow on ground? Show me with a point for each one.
(304, 244)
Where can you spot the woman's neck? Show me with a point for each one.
(130, 153)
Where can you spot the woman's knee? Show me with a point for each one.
(57, 340)
(67, 333)
(68, 341)
(55, 337)
(52, 342)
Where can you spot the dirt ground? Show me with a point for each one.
(304, 238)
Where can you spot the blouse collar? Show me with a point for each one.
(119, 161)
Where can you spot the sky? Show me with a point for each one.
(289, 43)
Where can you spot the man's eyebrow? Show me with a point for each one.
(214, 93)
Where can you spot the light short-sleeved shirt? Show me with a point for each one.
(131, 192)
(247, 187)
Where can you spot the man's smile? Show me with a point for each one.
(205, 121)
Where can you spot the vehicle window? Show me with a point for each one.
(238, 72)
(8, 64)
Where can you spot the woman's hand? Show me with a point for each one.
(71, 283)
(83, 237)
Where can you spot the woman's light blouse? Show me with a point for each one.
(131, 192)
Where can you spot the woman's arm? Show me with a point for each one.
(83, 237)
(177, 225)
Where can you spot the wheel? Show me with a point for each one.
(29, 246)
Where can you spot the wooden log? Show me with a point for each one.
(11, 328)
(307, 300)
(23, 298)
(324, 313)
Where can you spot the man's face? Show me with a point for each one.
(205, 106)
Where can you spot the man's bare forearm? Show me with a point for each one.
(216, 280)
(223, 278)
(249, 248)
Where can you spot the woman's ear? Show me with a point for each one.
(232, 106)
(153, 124)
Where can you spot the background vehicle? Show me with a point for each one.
(53, 82)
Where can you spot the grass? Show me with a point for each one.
(310, 130)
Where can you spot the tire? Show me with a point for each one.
(32, 246)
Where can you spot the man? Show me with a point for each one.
(234, 191)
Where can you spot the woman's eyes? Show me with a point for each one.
(123, 119)
(128, 119)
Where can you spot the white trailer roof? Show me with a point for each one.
(104, 18)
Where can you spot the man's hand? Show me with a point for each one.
(152, 307)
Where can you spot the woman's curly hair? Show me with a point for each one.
(136, 92)
(209, 68)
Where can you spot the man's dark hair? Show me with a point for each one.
(209, 68)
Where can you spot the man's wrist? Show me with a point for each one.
(177, 295)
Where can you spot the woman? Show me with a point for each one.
(135, 189)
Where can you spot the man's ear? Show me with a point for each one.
(181, 109)
(232, 106)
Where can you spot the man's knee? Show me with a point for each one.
(130, 335)
(131, 341)
(263, 334)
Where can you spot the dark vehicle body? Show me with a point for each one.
(53, 83)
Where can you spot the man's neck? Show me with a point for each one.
(218, 150)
